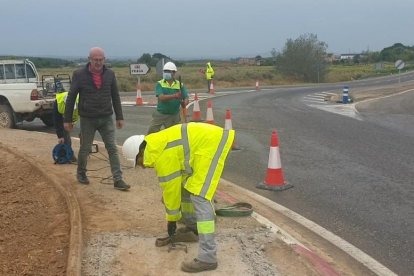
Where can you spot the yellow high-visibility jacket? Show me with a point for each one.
(187, 155)
(61, 105)
(209, 71)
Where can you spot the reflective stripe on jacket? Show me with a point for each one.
(61, 105)
(209, 71)
(187, 155)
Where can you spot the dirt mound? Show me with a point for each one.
(34, 228)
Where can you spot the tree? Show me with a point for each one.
(153, 60)
(370, 57)
(397, 51)
(303, 58)
(145, 58)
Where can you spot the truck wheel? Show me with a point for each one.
(47, 120)
(6, 117)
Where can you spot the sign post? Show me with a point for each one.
(399, 64)
(160, 65)
(139, 69)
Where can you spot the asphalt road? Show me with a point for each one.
(351, 175)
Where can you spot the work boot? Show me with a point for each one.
(82, 178)
(121, 185)
(197, 266)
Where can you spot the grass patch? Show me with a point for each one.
(232, 75)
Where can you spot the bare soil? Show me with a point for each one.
(34, 228)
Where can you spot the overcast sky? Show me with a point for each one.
(184, 29)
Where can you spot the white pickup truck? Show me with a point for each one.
(23, 96)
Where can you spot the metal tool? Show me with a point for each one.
(177, 246)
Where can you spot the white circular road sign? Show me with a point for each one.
(399, 64)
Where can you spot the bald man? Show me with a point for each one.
(98, 100)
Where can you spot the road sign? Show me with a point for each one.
(138, 69)
(399, 64)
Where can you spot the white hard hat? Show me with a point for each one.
(130, 148)
(170, 66)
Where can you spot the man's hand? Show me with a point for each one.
(177, 95)
(171, 226)
(119, 123)
(68, 126)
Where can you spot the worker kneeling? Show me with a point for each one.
(189, 160)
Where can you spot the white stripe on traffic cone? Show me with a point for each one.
(139, 97)
(209, 115)
(228, 126)
(196, 115)
(274, 179)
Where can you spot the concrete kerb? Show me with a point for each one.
(345, 246)
(75, 238)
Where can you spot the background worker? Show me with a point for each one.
(99, 98)
(189, 160)
(58, 111)
(209, 75)
(171, 96)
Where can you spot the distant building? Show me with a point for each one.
(246, 61)
(347, 56)
(356, 58)
(330, 58)
(250, 61)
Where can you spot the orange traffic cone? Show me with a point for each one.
(227, 126)
(209, 116)
(274, 178)
(139, 97)
(196, 116)
(257, 86)
(211, 87)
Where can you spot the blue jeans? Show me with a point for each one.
(106, 128)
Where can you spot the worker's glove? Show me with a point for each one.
(171, 226)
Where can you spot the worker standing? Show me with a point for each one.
(209, 75)
(99, 100)
(171, 95)
(189, 160)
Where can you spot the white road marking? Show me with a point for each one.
(341, 109)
